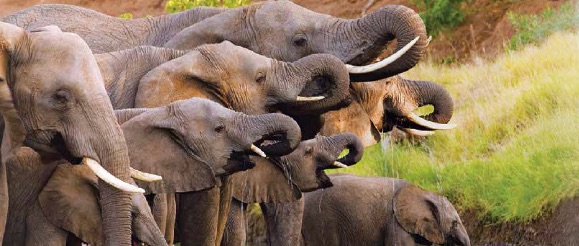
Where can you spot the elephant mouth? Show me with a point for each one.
(276, 144)
(323, 180)
(51, 146)
(237, 162)
(319, 87)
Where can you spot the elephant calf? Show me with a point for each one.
(379, 211)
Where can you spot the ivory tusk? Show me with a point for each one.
(143, 176)
(109, 178)
(339, 164)
(309, 99)
(378, 65)
(257, 151)
(429, 124)
(417, 132)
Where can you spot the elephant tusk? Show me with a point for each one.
(429, 124)
(143, 176)
(419, 133)
(309, 99)
(378, 65)
(339, 164)
(109, 178)
(257, 151)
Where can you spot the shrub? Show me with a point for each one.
(440, 14)
(173, 6)
(126, 16)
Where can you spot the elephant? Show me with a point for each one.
(55, 108)
(277, 29)
(379, 211)
(300, 171)
(195, 141)
(105, 33)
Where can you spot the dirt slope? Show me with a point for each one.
(483, 33)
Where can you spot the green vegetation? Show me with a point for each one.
(173, 6)
(535, 28)
(515, 152)
(126, 16)
(440, 14)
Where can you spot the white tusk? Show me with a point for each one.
(339, 164)
(143, 176)
(415, 132)
(309, 99)
(429, 124)
(257, 151)
(378, 65)
(109, 178)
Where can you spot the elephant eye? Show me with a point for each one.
(300, 40)
(260, 77)
(219, 128)
(61, 98)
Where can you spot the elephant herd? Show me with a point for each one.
(163, 129)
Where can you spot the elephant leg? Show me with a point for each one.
(159, 211)
(197, 217)
(171, 215)
(235, 233)
(224, 205)
(283, 222)
(39, 231)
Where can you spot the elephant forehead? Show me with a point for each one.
(202, 108)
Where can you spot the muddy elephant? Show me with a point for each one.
(55, 108)
(379, 211)
(284, 182)
(105, 33)
(189, 143)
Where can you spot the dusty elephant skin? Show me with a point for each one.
(187, 160)
(300, 171)
(61, 112)
(105, 33)
(379, 211)
(357, 42)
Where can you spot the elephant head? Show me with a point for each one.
(191, 142)
(288, 32)
(53, 100)
(429, 216)
(245, 81)
(283, 179)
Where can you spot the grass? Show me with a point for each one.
(515, 153)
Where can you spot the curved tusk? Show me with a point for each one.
(309, 99)
(378, 65)
(109, 178)
(415, 132)
(143, 176)
(257, 151)
(429, 124)
(339, 164)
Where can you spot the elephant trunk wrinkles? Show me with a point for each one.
(256, 127)
(335, 144)
(323, 75)
(426, 93)
(380, 27)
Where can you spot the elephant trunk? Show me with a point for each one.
(280, 129)
(334, 145)
(375, 31)
(321, 82)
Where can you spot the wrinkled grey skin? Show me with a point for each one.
(53, 100)
(300, 171)
(105, 33)
(379, 211)
(187, 161)
(286, 31)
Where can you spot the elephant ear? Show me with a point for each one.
(70, 201)
(416, 210)
(153, 149)
(263, 183)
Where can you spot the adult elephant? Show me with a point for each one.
(196, 141)
(379, 211)
(105, 33)
(61, 112)
(300, 171)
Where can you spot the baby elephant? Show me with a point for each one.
(379, 211)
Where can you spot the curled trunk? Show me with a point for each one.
(256, 127)
(335, 144)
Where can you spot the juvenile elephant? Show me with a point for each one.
(190, 143)
(52, 99)
(379, 211)
(105, 33)
(284, 182)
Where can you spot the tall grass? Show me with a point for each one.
(515, 154)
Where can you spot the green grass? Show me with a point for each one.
(515, 153)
